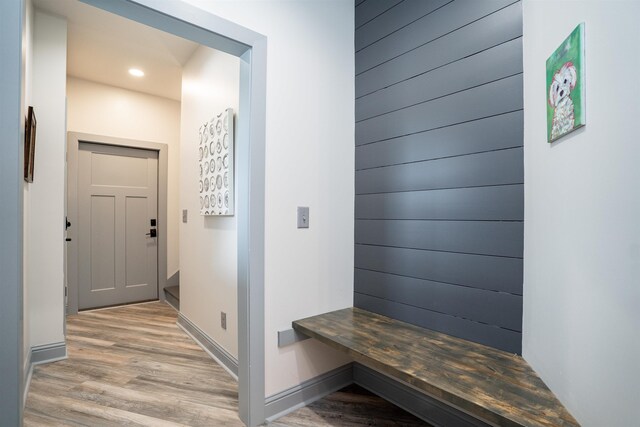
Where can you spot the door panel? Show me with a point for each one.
(107, 170)
(117, 198)
(103, 242)
(136, 263)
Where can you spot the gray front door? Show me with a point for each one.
(117, 202)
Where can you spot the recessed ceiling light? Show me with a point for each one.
(136, 72)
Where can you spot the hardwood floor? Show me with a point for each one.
(133, 366)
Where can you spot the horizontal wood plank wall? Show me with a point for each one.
(439, 165)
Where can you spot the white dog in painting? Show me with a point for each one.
(564, 80)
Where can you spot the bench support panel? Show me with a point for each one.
(422, 406)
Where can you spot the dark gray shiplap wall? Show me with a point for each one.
(439, 165)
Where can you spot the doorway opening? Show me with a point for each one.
(193, 24)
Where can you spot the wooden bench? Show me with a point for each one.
(494, 387)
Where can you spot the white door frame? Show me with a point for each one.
(73, 144)
(202, 27)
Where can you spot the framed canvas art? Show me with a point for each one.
(29, 145)
(215, 154)
(566, 86)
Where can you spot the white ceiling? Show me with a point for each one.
(102, 47)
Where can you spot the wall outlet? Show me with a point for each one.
(303, 217)
(223, 320)
(184, 216)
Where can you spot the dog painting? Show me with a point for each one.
(565, 86)
(564, 81)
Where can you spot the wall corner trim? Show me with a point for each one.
(280, 404)
(28, 373)
(215, 350)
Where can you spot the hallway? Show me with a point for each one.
(132, 365)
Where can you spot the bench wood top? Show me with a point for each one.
(494, 386)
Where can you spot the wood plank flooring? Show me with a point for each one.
(133, 366)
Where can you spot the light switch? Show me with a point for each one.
(303, 217)
(184, 216)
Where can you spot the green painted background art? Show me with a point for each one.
(566, 86)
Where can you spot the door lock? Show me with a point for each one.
(152, 233)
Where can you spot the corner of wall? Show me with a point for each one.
(45, 207)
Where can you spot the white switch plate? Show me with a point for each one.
(303, 217)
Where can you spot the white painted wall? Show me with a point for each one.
(100, 109)
(582, 206)
(309, 162)
(45, 205)
(208, 245)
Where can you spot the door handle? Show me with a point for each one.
(67, 239)
(152, 233)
